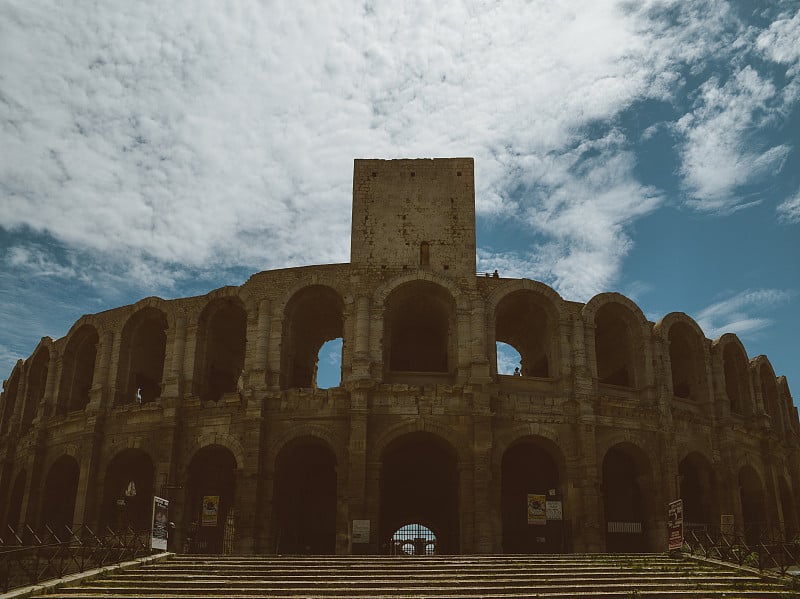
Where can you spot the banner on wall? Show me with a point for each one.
(537, 509)
(158, 536)
(210, 510)
(675, 524)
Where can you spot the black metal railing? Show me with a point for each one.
(756, 547)
(29, 556)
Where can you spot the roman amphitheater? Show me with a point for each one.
(211, 402)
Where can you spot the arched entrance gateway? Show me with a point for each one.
(698, 489)
(304, 511)
(60, 491)
(128, 491)
(419, 486)
(210, 499)
(627, 495)
(530, 478)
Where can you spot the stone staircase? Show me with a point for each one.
(464, 577)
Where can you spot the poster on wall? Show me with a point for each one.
(675, 524)
(210, 510)
(537, 512)
(158, 537)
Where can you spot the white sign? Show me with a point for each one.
(554, 510)
(158, 537)
(360, 531)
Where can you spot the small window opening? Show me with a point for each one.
(458, 173)
(509, 360)
(413, 539)
(329, 364)
(446, 266)
(413, 174)
(424, 254)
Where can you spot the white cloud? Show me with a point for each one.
(720, 154)
(789, 210)
(781, 42)
(225, 136)
(737, 314)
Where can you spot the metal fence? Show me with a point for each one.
(29, 556)
(757, 547)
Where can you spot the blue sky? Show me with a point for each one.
(651, 148)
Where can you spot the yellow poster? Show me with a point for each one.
(537, 509)
(210, 510)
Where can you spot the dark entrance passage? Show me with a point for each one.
(210, 495)
(529, 469)
(419, 484)
(698, 490)
(60, 491)
(626, 473)
(128, 491)
(753, 506)
(305, 499)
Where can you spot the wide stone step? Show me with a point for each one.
(438, 577)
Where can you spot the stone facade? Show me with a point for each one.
(212, 402)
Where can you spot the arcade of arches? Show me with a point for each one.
(422, 443)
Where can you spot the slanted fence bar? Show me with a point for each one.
(29, 556)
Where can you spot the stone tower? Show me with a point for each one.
(415, 214)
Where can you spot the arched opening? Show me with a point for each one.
(509, 360)
(424, 254)
(78, 370)
(615, 345)
(419, 329)
(769, 392)
(698, 489)
(329, 364)
(522, 321)
(419, 483)
(221, 342)
(210, 494)
(626, 485)
(789, 510)
(15, 501)
(754, 514)
(141, 358)
(686, 358)
(37, 382)
(305, 498)
(530, 482)
(413, 539)
(128, 491)
(736, 385)
(9, 400)
(60, 493)
(314, 315)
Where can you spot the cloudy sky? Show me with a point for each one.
(169, 148)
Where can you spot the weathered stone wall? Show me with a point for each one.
(691, 416)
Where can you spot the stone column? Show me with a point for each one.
(466, 507)
(190, 349)
(482, 481)
(258, 365)
(357, 466)
(361, 355)
(173, 366)
(588, 532)
(98, 396)
(47, 405)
